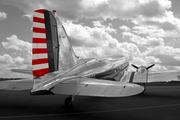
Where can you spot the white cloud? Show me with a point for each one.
(125, 28)
(91, 41)
(3, 15)
(126, 9)
(13, 42)
(177, 57)
(97, 24)
(161, 26)
(108, 28)
(21, 48)
(163, 50)
(5, 59)
(97, 41)
(159, 68)
(165, 24)
(88, 52)
(152, 20)
(152, 59)
(130, 49)
(94, 9)
(144, 41)
(168, 55)
(154, 31)
(26, 5)
(91, 37)
(29, 16)
(19, 60)
(139, 61)
(7, 62)
(153, 8)
(10, 61)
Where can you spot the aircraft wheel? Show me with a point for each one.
(68, 102)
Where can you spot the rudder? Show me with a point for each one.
(45, 51)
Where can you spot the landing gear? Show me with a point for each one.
(143, 91)
(69, 101)
(143, 84)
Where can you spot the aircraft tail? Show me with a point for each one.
(51, 47)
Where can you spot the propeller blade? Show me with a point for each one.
(135, 66)
(150, 66)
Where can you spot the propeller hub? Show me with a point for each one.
(142, 70)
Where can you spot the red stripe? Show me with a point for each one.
(41, 72)
(40, 11)
(39, 40)
(39, 50)
(39, 20)
(39, 30)
(39, 61)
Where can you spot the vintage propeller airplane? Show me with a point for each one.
(57, 70)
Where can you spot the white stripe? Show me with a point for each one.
(38, 15)
(39, 35)
(38, 25)
(40, 66)
(39, 56)
(39, 45)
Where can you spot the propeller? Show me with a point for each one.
(135, 66)
(150, 66)
(147, 68)
(143, 69)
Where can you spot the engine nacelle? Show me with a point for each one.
(142, 70)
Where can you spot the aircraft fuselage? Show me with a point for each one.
(108, 68)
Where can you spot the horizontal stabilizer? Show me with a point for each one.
(25, 71)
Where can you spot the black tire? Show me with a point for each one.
(68, 102)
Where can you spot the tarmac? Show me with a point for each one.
(157, 103)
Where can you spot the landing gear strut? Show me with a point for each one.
(143, 84)
(69, 101)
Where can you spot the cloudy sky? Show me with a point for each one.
(146, 31)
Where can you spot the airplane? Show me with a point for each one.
(57, 70)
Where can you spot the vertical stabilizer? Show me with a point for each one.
(45, 51)
(51, 47)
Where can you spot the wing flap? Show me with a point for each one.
(94, 87)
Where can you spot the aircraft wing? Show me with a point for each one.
(17, 85)
(80, 86)
(158, 77)
(96, 87)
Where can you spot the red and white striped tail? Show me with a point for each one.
(39, 49)
(47, 55)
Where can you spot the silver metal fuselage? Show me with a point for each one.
(107, 68)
